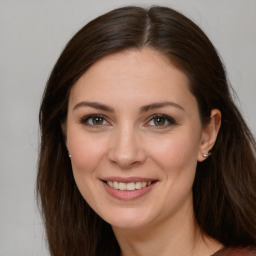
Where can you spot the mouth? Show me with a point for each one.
(130, 186)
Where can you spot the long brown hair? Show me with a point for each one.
(224, 188)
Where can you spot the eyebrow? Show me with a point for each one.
(160, 105)
(145, 108)
(93, 105)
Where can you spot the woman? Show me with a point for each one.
(143, 151)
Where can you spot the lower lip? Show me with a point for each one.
(127, 194)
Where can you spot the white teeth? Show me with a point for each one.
(138, 185)
(128, 186)
(115, 185)
(122, 186)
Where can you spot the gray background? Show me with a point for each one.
(33, 33)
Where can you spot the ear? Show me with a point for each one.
(209, 135)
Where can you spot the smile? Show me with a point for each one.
(131, 186)
(128, 189)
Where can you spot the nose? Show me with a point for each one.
(127, 148)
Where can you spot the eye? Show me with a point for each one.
(161, 121)
(94, 120)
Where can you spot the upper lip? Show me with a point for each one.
(128, 179)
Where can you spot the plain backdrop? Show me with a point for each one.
(32, 35)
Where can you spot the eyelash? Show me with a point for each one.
(166, 118)
(85, 120)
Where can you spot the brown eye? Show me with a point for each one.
(159, 121)
(94, 120)
(97, 120)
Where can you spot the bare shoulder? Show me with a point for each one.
(236, 252)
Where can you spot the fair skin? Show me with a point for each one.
(134, 135)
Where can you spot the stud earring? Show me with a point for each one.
(69, 155)
(206, 155)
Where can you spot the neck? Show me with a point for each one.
(170, 236)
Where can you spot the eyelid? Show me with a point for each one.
(83, 120)
(170, 120)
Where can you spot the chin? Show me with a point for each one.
(128, 218)
(127, 224)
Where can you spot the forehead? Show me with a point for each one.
(144, 74)
(133, 63)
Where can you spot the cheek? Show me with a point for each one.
(86, 151)
(86, 156)
(176, 152)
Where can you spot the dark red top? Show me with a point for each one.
(236, 252)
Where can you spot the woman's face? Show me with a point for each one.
(134, 135)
